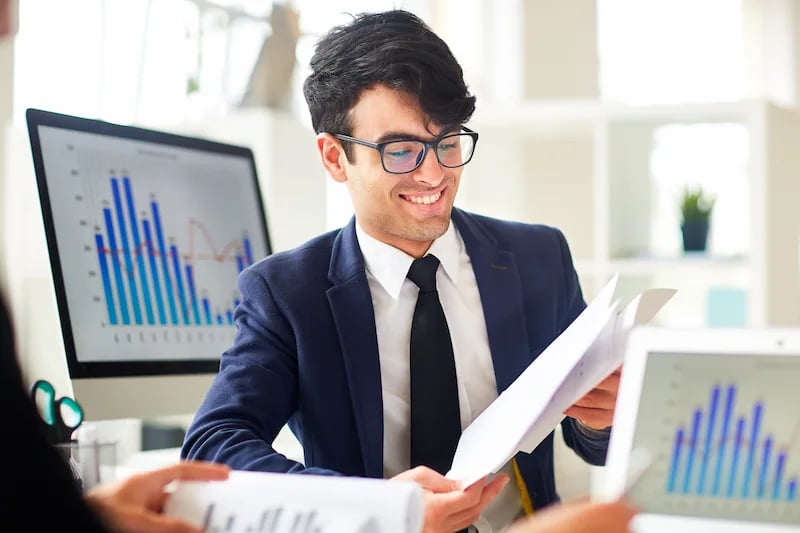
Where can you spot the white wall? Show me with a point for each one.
(6, 110)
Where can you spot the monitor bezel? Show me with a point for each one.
(126, 368)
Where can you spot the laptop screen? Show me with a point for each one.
(716, 412)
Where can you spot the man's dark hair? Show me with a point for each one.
(395, 48)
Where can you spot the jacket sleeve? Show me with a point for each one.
(255, 393)
(589, 444)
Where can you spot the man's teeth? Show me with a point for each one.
(424, 199)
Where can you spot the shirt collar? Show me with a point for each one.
(389, 266)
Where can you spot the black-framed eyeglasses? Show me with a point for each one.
(400, 156)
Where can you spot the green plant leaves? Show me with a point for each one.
(696, 204)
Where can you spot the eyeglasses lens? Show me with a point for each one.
(452, 151)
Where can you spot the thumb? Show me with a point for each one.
(429, 479)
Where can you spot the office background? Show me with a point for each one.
(593, 115)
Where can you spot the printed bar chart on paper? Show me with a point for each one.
(150, 260)
(725, 434)
(249, 502)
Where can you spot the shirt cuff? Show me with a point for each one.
(592, 433)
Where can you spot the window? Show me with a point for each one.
(139, 61)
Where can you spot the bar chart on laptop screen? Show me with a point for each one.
(151, 240)
(725, 432)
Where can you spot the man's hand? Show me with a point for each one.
(578, 517)
(596, 409)
(448, 507)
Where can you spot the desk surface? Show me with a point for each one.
(285, 443)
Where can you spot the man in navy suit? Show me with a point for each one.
(324, 330)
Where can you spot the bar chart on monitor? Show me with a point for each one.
(158, 275)
(152, 239)
(725, 434)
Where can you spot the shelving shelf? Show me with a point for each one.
(585, 167)
(687, 265)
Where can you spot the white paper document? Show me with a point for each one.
(589, 350)
(295, 503)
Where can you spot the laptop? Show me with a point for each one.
(706, 433)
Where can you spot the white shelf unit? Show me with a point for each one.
(586, 168)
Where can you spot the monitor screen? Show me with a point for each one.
(147, 232)
(714, 412)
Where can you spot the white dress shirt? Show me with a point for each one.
(394, 298)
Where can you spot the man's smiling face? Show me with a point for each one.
(407, 211)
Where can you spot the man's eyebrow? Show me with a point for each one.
(397, 136)
(404, 136)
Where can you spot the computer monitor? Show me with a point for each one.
(706, 428)
(146, 232)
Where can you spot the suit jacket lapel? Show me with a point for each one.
(351, 306)
(499, 284)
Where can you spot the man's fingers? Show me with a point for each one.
(597, 399)
(429, 479)
(610, 383)
(468, 516)
(594, 418)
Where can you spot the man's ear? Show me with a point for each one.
(333, 156)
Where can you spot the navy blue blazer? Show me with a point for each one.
(306, 352)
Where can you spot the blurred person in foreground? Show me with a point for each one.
(37, 490)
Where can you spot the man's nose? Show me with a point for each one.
(430, 171)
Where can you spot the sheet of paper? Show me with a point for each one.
(488, 442)
(577, 360)
(602, 358)
(295, 503)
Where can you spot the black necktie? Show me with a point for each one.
(435, 419)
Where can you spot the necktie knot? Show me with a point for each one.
(423, 273)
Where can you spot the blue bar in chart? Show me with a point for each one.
(147, 278)
(126, 251)
(711, 447)
(751, 454)
(706, 450)
(676, 458)
(176, 266)
(698, 416)
(248, 250)
(193, 294)
(737, 450)
(101, 257)
(137, 247)
(726, 421)
(777, 483)
(762, 474)
(162, 252)
(151, 254)
(207, 309)
(112, 243)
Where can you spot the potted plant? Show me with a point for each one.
(696, 208)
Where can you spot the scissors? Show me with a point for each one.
(59, 416)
